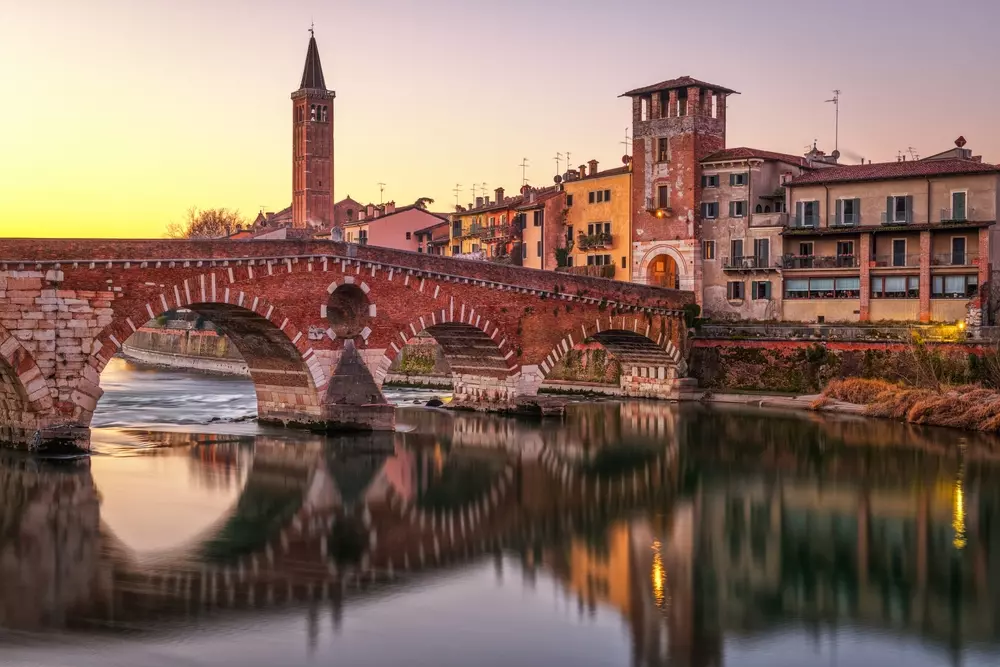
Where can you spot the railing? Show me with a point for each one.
(496, 232)
(805, 222)
(895, 219)
(475, 230)
(897, 260)
(768, 219)
(593, 241)
(955, 259)
(590, 270)
(827, 332)
(477, 255)
(820, 261)
(957, 214)
(845, 220)
(749, 262)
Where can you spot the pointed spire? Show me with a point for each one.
(312, 73)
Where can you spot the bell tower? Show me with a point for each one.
(312, 145)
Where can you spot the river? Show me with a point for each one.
(633, 533)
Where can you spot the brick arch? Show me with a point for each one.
(457, 316)
(663, 248)
(243, 312)
(632, 330)
(25, 393)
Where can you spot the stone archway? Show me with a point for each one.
(666, 266)
(663, 271)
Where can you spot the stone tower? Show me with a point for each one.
(675, 124)
(312, 146)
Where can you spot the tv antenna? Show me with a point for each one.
(913, 153)
(557, 158)
(627, 143)
(484, 189)
(457, 191)
(381, 193)
(524, 167)
(836, 126)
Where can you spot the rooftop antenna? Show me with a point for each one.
(484, 189)
(457, 191)
(475, 187)
(381, 193)
(836, 126)
(627, 143)
(568, 163)
(312, 26)
(524, 167)
(557, 158)
(913, 153)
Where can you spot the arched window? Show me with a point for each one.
(312, 112)
(350, 214)
(759, 209)
(324, 114)
(767, 209)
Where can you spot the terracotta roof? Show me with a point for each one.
(624, 169)
(492, 206)
(892, 170)
(673, 84)
(541, 196)
(744, 153)
(401, 209)
(312, 73)
(432, 228)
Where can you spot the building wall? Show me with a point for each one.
(531, 236)
(390, 231)
(832, 310)
(617, 211)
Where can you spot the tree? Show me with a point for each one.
(209, 223)
(422, 203)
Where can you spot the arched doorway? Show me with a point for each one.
(663, 272)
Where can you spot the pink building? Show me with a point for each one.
(394, 228)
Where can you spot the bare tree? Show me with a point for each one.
(209, 223)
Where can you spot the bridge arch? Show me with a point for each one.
(483, 359)
(288, 379)
(25, 394)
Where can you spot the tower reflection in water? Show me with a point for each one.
(697, 527)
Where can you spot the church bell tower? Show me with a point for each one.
(312, 146)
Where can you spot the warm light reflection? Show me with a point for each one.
(659, 575)
(438, 458)
(958, 512)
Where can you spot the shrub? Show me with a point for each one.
(857, 390)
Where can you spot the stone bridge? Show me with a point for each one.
(317, 322)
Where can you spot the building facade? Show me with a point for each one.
(393, 228)
(675, 124)
(907, 240)
(540, 226)
(598, 221)
(312, 146)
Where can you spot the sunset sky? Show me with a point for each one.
(119, 115)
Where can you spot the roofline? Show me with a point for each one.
(901, 177)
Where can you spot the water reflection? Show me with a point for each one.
(712, 536)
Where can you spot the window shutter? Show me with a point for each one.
(888, 209)
(799, 211)
(704, 181)
(767, 289)
(857, 211)
(840, 211)
(909, 208)
(732, 208)
(732, 179)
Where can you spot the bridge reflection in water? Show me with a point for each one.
(699, 528)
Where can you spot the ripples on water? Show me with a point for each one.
(632, 534)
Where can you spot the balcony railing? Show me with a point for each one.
(951, 215)
(894, 219)
(496, 232)
(591, 270)
(768, 219)
(897, 260)
(820, 261)
(955, 259)
(594, 241)
(804, 222)
(845, 220)
(748, 263)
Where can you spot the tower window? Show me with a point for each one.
(662, 150)
(312, 112)
(324, 113)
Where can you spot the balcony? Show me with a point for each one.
(805, 222)
(897, 260)
(957, 215)
(748, 263)
(768, 219)
(594, 241)
(955, 259)
(495, 232)
(475, 230)
(897, 219)
(845, 220)
(820, 261)
(656, 207)
(590, 270)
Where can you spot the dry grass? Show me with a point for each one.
(968, 406)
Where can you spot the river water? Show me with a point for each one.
(633, 533)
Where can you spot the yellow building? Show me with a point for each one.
(598, 221)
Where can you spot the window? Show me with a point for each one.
(759, 209)
(455, 250)
(762, 252)
(710, 210)
(760, 289)
(607, 195)
(323, 115)
(569, 260)
(420, 248)
(797, 288)
(737, 209)
(493, 220)
(806, 214)
(896, 287)
(845, 254)
(899, 252)
(847, 288)
(662, 150)
(738, 179)
(958, 256)
(663, 196)
(539, 218)
(569, 234)
(456, 228)
(591, 197)
(954, 287)
(848, 213)
(734, 290)
(708, 249)
(363, 237)
(538, 248)
(823, 288)
(312, 112)
(623, 261)
(524, 252)
(710, 181)
(407, 236)
(598, 228)
(958, 210)
(569, 200)
(898, 210)
(598, 260)
(736, 250)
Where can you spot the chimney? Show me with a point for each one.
(486, 200)
(583, 171)
(499, 194)
(371, 210)
(593, 167)
(479, 202)
(390, 208)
